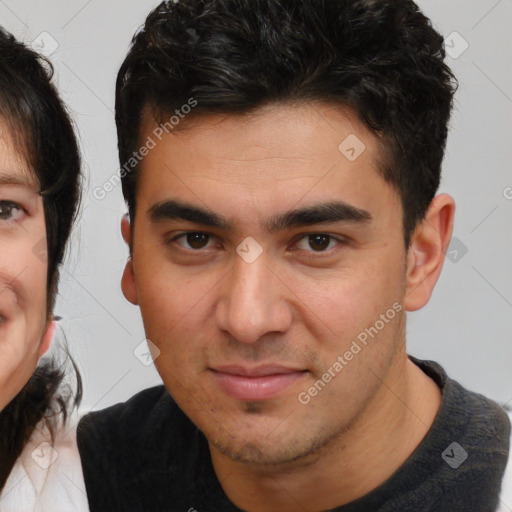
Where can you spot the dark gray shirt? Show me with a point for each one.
(145, 455)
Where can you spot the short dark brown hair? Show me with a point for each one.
(380, 57)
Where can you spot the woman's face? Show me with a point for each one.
(24, 332)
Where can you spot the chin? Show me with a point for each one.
(260, 453)
(263, 448)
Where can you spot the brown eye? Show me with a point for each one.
(197, 240)
(319, 242)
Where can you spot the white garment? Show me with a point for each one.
(47, 478)
(506, 487)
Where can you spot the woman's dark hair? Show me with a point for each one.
(41, 129)
(380, 57)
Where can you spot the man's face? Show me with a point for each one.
(23, 271)
(262, 250)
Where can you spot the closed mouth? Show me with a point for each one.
(260, 371)
(258, 383)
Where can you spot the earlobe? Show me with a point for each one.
(128, 283)
(46, 340)
(128, 279)
(425, 256)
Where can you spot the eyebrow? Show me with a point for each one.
(169, 210)
(11, 178)
(334, 211)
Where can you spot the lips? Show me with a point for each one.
(257, 383)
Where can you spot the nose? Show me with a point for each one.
(252, 302)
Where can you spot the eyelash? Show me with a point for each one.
(340, 241)
(10, 205)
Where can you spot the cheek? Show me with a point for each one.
(23, 264)
(175, 310)
(346, 301)
(37, 262)
(162, 296)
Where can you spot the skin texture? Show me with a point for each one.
(25, 332)
(298, 305)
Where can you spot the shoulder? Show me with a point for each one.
(143, 412)
(477, 430)
(506, 490)
(48, 474)
(481, 422)
(134, 449)
(463, 408)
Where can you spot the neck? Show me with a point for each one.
(353, 464)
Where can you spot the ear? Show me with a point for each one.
(46, 340)
(128, 279)
(425, 256)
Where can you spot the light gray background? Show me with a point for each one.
(468, 323)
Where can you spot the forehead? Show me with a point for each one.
(14, 167)
(291, 133)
